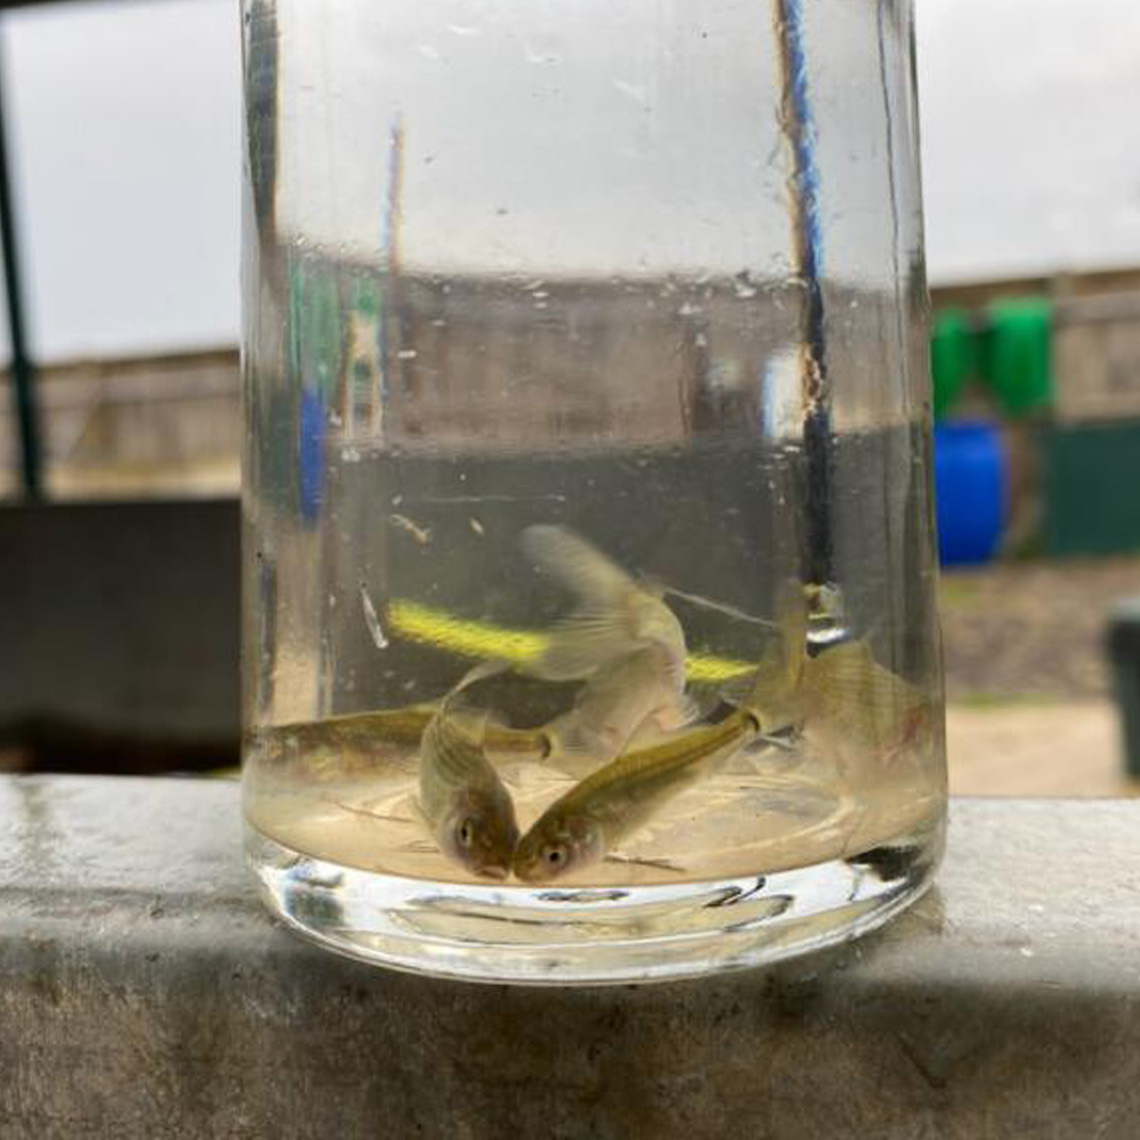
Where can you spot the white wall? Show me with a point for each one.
(125, 129)
(1031, 134)
(124, 125)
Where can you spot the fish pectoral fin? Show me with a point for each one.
(785, 742)
(678, 713)
(383, 816)
(635, 861)
(569, 751)
(664, 725)
(418, 847)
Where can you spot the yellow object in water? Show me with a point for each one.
(481, 639)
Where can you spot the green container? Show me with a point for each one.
(1124, 657)
(1018, 355)
(954, 357)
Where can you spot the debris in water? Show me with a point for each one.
(372, 620)
(422, 534)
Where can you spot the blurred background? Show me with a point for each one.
(120, 423)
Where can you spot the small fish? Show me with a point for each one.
(624, 702)
(846, 703)
(461, 795)
(854, 707)
(597, 815)
(623, 639)
(342, 746)
(616, 614)
(347, 744)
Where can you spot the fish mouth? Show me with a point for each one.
(495, 871)
(530, 873)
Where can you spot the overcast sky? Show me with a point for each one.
(124, 127)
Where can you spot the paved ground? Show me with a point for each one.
(1028, 683)
(1031, 628)
(1070, 748)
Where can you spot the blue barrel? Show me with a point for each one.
(971, 475)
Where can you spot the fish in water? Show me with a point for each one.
(461, 795)
(625, 702)
(615, 612)
(597, 815)
(846, 703)
(622, 639)
(775, 687)
(355, 742)
(854, 707)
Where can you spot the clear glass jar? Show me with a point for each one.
(590, 621)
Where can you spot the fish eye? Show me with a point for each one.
(555, 856)
(466, 833)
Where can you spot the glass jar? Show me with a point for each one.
(589, 565)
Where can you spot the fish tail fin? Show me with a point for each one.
(599, 629)
(616, 613)
(579, 565)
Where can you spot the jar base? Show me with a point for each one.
(546, 935)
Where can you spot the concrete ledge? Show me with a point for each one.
(143, 993)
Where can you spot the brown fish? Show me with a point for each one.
(586, 824)
(461, 795)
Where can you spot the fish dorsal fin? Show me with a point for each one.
(848, 673)
(792, 622)
(455, 701)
